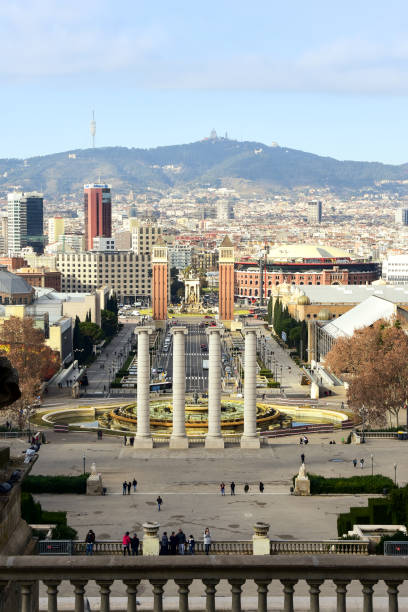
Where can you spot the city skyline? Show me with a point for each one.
(332, 82)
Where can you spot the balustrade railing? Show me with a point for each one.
(318, 547)
(218, 547)
(27, 573)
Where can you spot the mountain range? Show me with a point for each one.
(210, 162)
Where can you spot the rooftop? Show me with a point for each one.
(351, 294)
(366, 313)
(289, 252)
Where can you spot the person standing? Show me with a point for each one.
(126, 543)
(90, 541)
(246, 487)
(129, 486)
(222, 488)
(134, 544)
(355, 462)
(181, 542)
(232, 485)
(361, 463)
(134, 483)
(261, 487)
(207, 541)
(302, 457)
(164, 544)
(124, 487)
(191, 544)
(173, 543)
(159, 502)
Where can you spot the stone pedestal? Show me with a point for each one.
(214, 438)
(250, 438)
(151, 542)
(94, 485)
(260, 540)
(178, 438)
(302, 486)
(143, 438)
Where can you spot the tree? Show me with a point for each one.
(176, 287)
(109, 323)
(270, 311)
(112, 304)
(375, 363)
(93, 331)
(24, 346)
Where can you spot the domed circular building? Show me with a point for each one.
(301, 264)
(14, 290)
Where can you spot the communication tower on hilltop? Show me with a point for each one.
(92, 129)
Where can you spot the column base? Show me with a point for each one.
(214, 442)
(249, 442)
(143, 442)
(178, 442)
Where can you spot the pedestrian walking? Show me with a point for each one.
(134, 544)
(159, 502)
(124, 487)
(181, 542)
(361, 463)
(134, 483)
(232, 485)
(222, 488)
(302, 457)
(173, 543)
(355, 462)
(90, 541)
(129, 486)
(124, 440)
(191, 544)
(126, 543)
(261, 487)
(164, 544)
(207, 541)
(246, 487)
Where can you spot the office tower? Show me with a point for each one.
(25, 222)
(145, 234)
(160, 281)
(226, 280)
(225, 210)
(3, 233)
(71, 243)
(98, 212)
(314, 211)
(401, 216)
(56, 228)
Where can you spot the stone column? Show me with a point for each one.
(214, 438)
(151, 542)
(143, 437)
(250, 438)
(260, 540)
(178, 438)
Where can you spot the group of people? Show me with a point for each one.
(130, 545)
(246, 487)
(179, 544)
(126, 486)
(361, 463)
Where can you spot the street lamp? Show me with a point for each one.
(395, 473)
(84, 460)
(372, 464)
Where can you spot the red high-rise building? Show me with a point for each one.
(98, 212)
(226, 280)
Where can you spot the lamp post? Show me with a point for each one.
(372, 464)
(395, 473)
(84, 460)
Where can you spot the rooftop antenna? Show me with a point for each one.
(92, 129)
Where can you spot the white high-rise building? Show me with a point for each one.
(17, 223)
(314, 211)
(225, 210)
(401, 216)
(395, 269)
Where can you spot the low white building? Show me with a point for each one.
(395, 269)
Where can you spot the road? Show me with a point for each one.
(196, 376)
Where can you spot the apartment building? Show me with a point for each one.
(124, 272)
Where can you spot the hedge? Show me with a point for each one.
(55, 484)
(355, 484)
(32, 512)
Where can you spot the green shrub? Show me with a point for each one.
(273, 384)
(355, 484)
(55, 484)
(59, 518)
(30, 510)
(64, 532)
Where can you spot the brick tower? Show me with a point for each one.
(226, 280)
(160, 284)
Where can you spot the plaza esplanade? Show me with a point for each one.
(301, 264)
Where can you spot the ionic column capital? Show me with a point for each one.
(250, 330)
(179, 330)
(144, 330)
(214, 330)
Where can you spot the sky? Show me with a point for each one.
(327, 77)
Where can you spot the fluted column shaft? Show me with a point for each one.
(178, 436)
(214, 437)
(250, 438)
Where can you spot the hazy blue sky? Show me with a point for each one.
(328, 77)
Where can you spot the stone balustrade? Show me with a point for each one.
(318, 547)
(337, 571)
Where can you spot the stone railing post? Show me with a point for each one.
(143, 437)
(214, 438)
(52, 591)
(151, 542)
(250, 438)
(79, 590)
(178, 438)
(260, 540)
(158, 591)
(131, 591)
